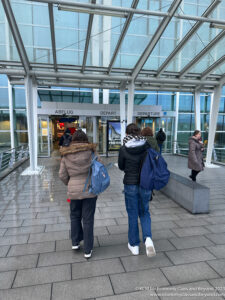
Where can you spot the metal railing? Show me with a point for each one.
(9, 157)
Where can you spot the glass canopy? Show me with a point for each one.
(166, 44)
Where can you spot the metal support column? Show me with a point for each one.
(95, 96)
(11, 115)
(130, 107)
(176, 122)
(94, 120)
(197, 111)
(31, 105)
(122, 114)
(213, 123)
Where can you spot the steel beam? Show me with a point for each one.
(52, 27)
(199, 56)
(16, 35)
(90, 22)
(158, 33)
(210, 69)
(122, 35)
(187, 37)
(127, 10)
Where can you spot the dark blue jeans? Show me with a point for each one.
(83, 211)
(137, 205)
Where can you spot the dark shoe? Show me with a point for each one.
(88, 255)
(191, 177)
(76, 247)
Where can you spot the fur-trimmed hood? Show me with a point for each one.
(77, 147)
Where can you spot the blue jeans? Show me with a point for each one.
(137, 205)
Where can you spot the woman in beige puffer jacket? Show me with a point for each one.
(74, 167)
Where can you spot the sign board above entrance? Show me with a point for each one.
(87, 109)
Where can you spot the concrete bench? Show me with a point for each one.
(191, 195)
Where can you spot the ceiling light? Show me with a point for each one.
(93, 11)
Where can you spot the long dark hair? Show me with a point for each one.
(132, 129)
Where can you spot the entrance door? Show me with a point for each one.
(147, 122)
(43, 137)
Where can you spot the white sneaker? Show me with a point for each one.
(134, 249)
(77, 247)
(150, 249)
(88, 255)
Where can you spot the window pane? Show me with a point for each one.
(21, 138)
(20, 99)
(4, 120)
(186, 122)
(21, 120)
(4, 98)
(5, 140)
(186, 103)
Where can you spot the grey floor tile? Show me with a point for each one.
(60, 257)
(113, 239)
(163, 225)
(100, 231)
(216, 220)
(130, 282)
(18, 217)
(122, 221)
(57, 227)
(181, 232)
(189, 273)
(112, 208)
(142, 295)
(4, 250)
(216, 228)
(82, 289)
(188, 223)
(219, 285)
(218, 250)
(219, 266)
(96, 268)
(6, 279)
(18, 262)
(163, 245)
(200, 290)
(13, 239)
(42, 275)
(162, 234)
(110, 252)
(51, 214)
(48, 236)
(35, 248)
(118, 229)
(191, 242)
(34, 222)
(38, 292)
(108, 215)
(159, 218)
(217, 238)
(2, 231)
(142, 262)
(104, 222)
(9, 224)
(25, 229)
(189, 255)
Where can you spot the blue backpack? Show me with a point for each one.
(154, 172)
(100, 179)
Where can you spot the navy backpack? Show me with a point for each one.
(154, 172)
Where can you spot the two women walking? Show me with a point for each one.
(74, 168)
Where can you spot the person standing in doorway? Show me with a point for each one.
(74, 168)
(160, 137)
(148, 133)
(195, 157)
(131, 156)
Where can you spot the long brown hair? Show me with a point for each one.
(80, 137)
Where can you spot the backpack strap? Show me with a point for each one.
(94, 157)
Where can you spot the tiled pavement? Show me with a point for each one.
(36, 260)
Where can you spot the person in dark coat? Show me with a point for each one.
(147, 132)
(160, 137)
(131, 156)
(195, 157)
(66, 138)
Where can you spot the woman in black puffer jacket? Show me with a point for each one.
(130, 159)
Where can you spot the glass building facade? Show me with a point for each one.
(186, 115)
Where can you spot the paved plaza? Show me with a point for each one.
(36, 260)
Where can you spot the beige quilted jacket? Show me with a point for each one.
(74, 168)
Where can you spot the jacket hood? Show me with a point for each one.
(77, 147)
(193, 139)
